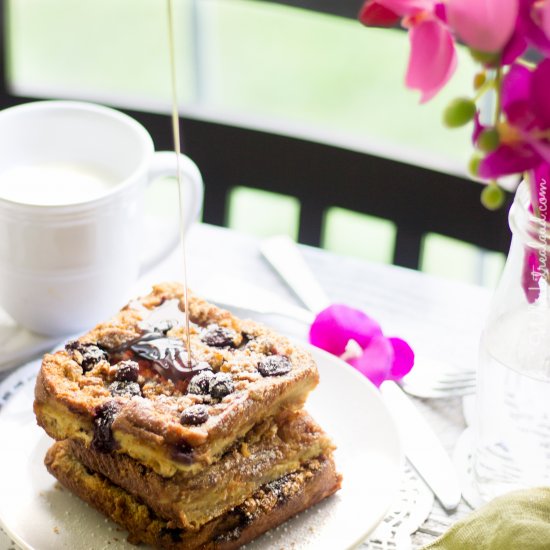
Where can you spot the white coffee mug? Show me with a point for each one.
(69, 260)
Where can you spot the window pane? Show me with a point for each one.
(355, 234)
(104, 50)
(329, 77)
(258, 64)
(460, 261)
(262, 213)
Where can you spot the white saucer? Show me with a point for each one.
(18, 344)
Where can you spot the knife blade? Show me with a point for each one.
(422, 447)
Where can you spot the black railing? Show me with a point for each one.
(343, 8)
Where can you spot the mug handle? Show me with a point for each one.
(164, 164)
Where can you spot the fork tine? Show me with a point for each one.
(459, 376)
(454, 381)
(437, 394)
(442, 384)
(438, 387)
(436, 378)
(457, 387)
(429, 382)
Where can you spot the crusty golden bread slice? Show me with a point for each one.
(128, 385)
(269, 451)
(267, 508)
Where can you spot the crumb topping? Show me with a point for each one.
(138, 361)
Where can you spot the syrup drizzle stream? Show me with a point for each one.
(177, 149)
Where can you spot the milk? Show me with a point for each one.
(55, 183)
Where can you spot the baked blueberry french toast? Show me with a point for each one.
(135, 416)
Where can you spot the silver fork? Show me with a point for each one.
(438, 379)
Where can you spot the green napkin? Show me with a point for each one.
(516, 521)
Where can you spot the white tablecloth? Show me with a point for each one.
(441, 319)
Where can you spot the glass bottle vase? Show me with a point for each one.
(512, 447)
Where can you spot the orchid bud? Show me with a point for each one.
(473, 165)
(492, 196)
(479, 80)
(459, 112)
(483, 25)
(488, 140)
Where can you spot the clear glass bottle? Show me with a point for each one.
(512, 448)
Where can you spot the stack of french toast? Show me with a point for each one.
(188, 433)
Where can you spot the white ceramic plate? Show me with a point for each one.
(39, 515)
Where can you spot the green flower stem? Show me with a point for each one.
(498, 91)
(488, 85)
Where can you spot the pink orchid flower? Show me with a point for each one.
(484, 25)
(433, 59)
(373, 14)
(532, 29)
(525, 138)
(534, 25)
(358, 339)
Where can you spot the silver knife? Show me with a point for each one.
(422, 447)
